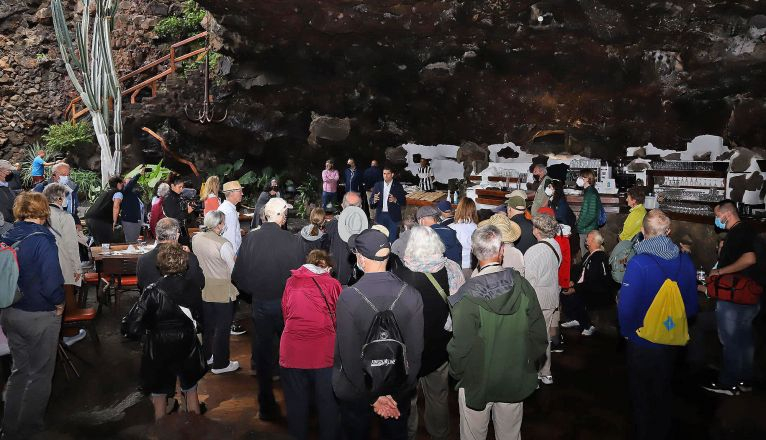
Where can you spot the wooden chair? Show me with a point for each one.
(121, 276)
(76, 317)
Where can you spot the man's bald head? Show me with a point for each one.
(656, 224)
(351, 199)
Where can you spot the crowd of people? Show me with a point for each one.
(362, 310)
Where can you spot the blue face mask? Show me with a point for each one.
(719, 224)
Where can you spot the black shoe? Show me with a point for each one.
(714, 387)
(237, 329)
(745, 387)
(269, 416)
(558, 348)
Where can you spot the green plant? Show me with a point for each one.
(181, 26)
(153, 175)
(306, 195)
(89, 183)
(67, 135)
(226, 170)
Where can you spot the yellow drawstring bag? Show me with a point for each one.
(665, 321)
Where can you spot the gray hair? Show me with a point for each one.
(163, 189)
(656, 224)
(213, 219)
(598, 237)
(423, 245)
(55, 191)
(58, 166)
(486, 242)
(546, 224)
(345, 203)
(167, 229)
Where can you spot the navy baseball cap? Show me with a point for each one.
(444, 206)
(371, 244)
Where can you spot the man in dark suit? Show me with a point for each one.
(353, 178)
(388, 198)
(372, 175)
(147, 273)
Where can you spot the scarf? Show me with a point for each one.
(455, 277)
(661, 246)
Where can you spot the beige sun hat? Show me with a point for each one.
(509, 229)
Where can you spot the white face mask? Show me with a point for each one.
(549, 192)
(63, 180)
(64, 202)
(580, 181)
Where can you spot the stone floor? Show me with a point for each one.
(588, 400)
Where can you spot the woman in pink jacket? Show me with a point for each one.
(330, 179)
(307, 344)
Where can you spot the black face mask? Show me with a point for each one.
(9, 177)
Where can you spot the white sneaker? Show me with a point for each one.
(70, 340)
(210, 361)
(570, 324)
(546, 380)
(589, 331)
(233, 366)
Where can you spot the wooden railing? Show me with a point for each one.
(76, 109)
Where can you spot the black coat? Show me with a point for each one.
(597, 288)
(265, 259)
(341, 255)
(169, 337)
(7, 197)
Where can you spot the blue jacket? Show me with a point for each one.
(372, 175)
(40, 278)
(394, 209)
(644, 275)
(452, 247)
(355, 183)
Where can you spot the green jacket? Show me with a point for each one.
(591, 205)
(499, 338)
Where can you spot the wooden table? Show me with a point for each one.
(422, 198)
(97, 253)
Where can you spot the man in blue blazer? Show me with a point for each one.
(388, 198)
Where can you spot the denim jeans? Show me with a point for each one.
(328, 197)
(268, 326)
(735, 331)
(301, 384)
(393, 227)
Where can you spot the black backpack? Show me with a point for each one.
(384, 353)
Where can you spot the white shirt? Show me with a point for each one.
(228, 256)
(232, 224)
(386, 191)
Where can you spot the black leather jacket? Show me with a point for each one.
(158, 319)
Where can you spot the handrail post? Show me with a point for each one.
(172, 59)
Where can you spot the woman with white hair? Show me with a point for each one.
(435, 277)
(594, 287)
(61, 223)
(156, 213)
(216, 258)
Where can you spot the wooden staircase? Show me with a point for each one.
(75, 110)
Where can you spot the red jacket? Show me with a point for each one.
(308, 340)
(156, 214)
(566, 261)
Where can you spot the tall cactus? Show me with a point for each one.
(89, 63)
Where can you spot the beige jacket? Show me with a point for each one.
(62, 226)
(217, 270)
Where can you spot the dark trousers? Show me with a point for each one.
(216, 330)
(268, 325)
(100, 230)
(384, 218)
(650, 373)
(357, 416)
(299, 385)
(575, 308)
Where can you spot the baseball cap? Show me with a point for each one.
(371, 244)
(444, 206)
(517, 200)
(426, 211)
(275, 206)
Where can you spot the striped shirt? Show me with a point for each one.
(426, 178)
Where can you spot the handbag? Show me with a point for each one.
(734, 287)
(332, 315)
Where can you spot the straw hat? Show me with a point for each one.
(509, 229)
(232, 186)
